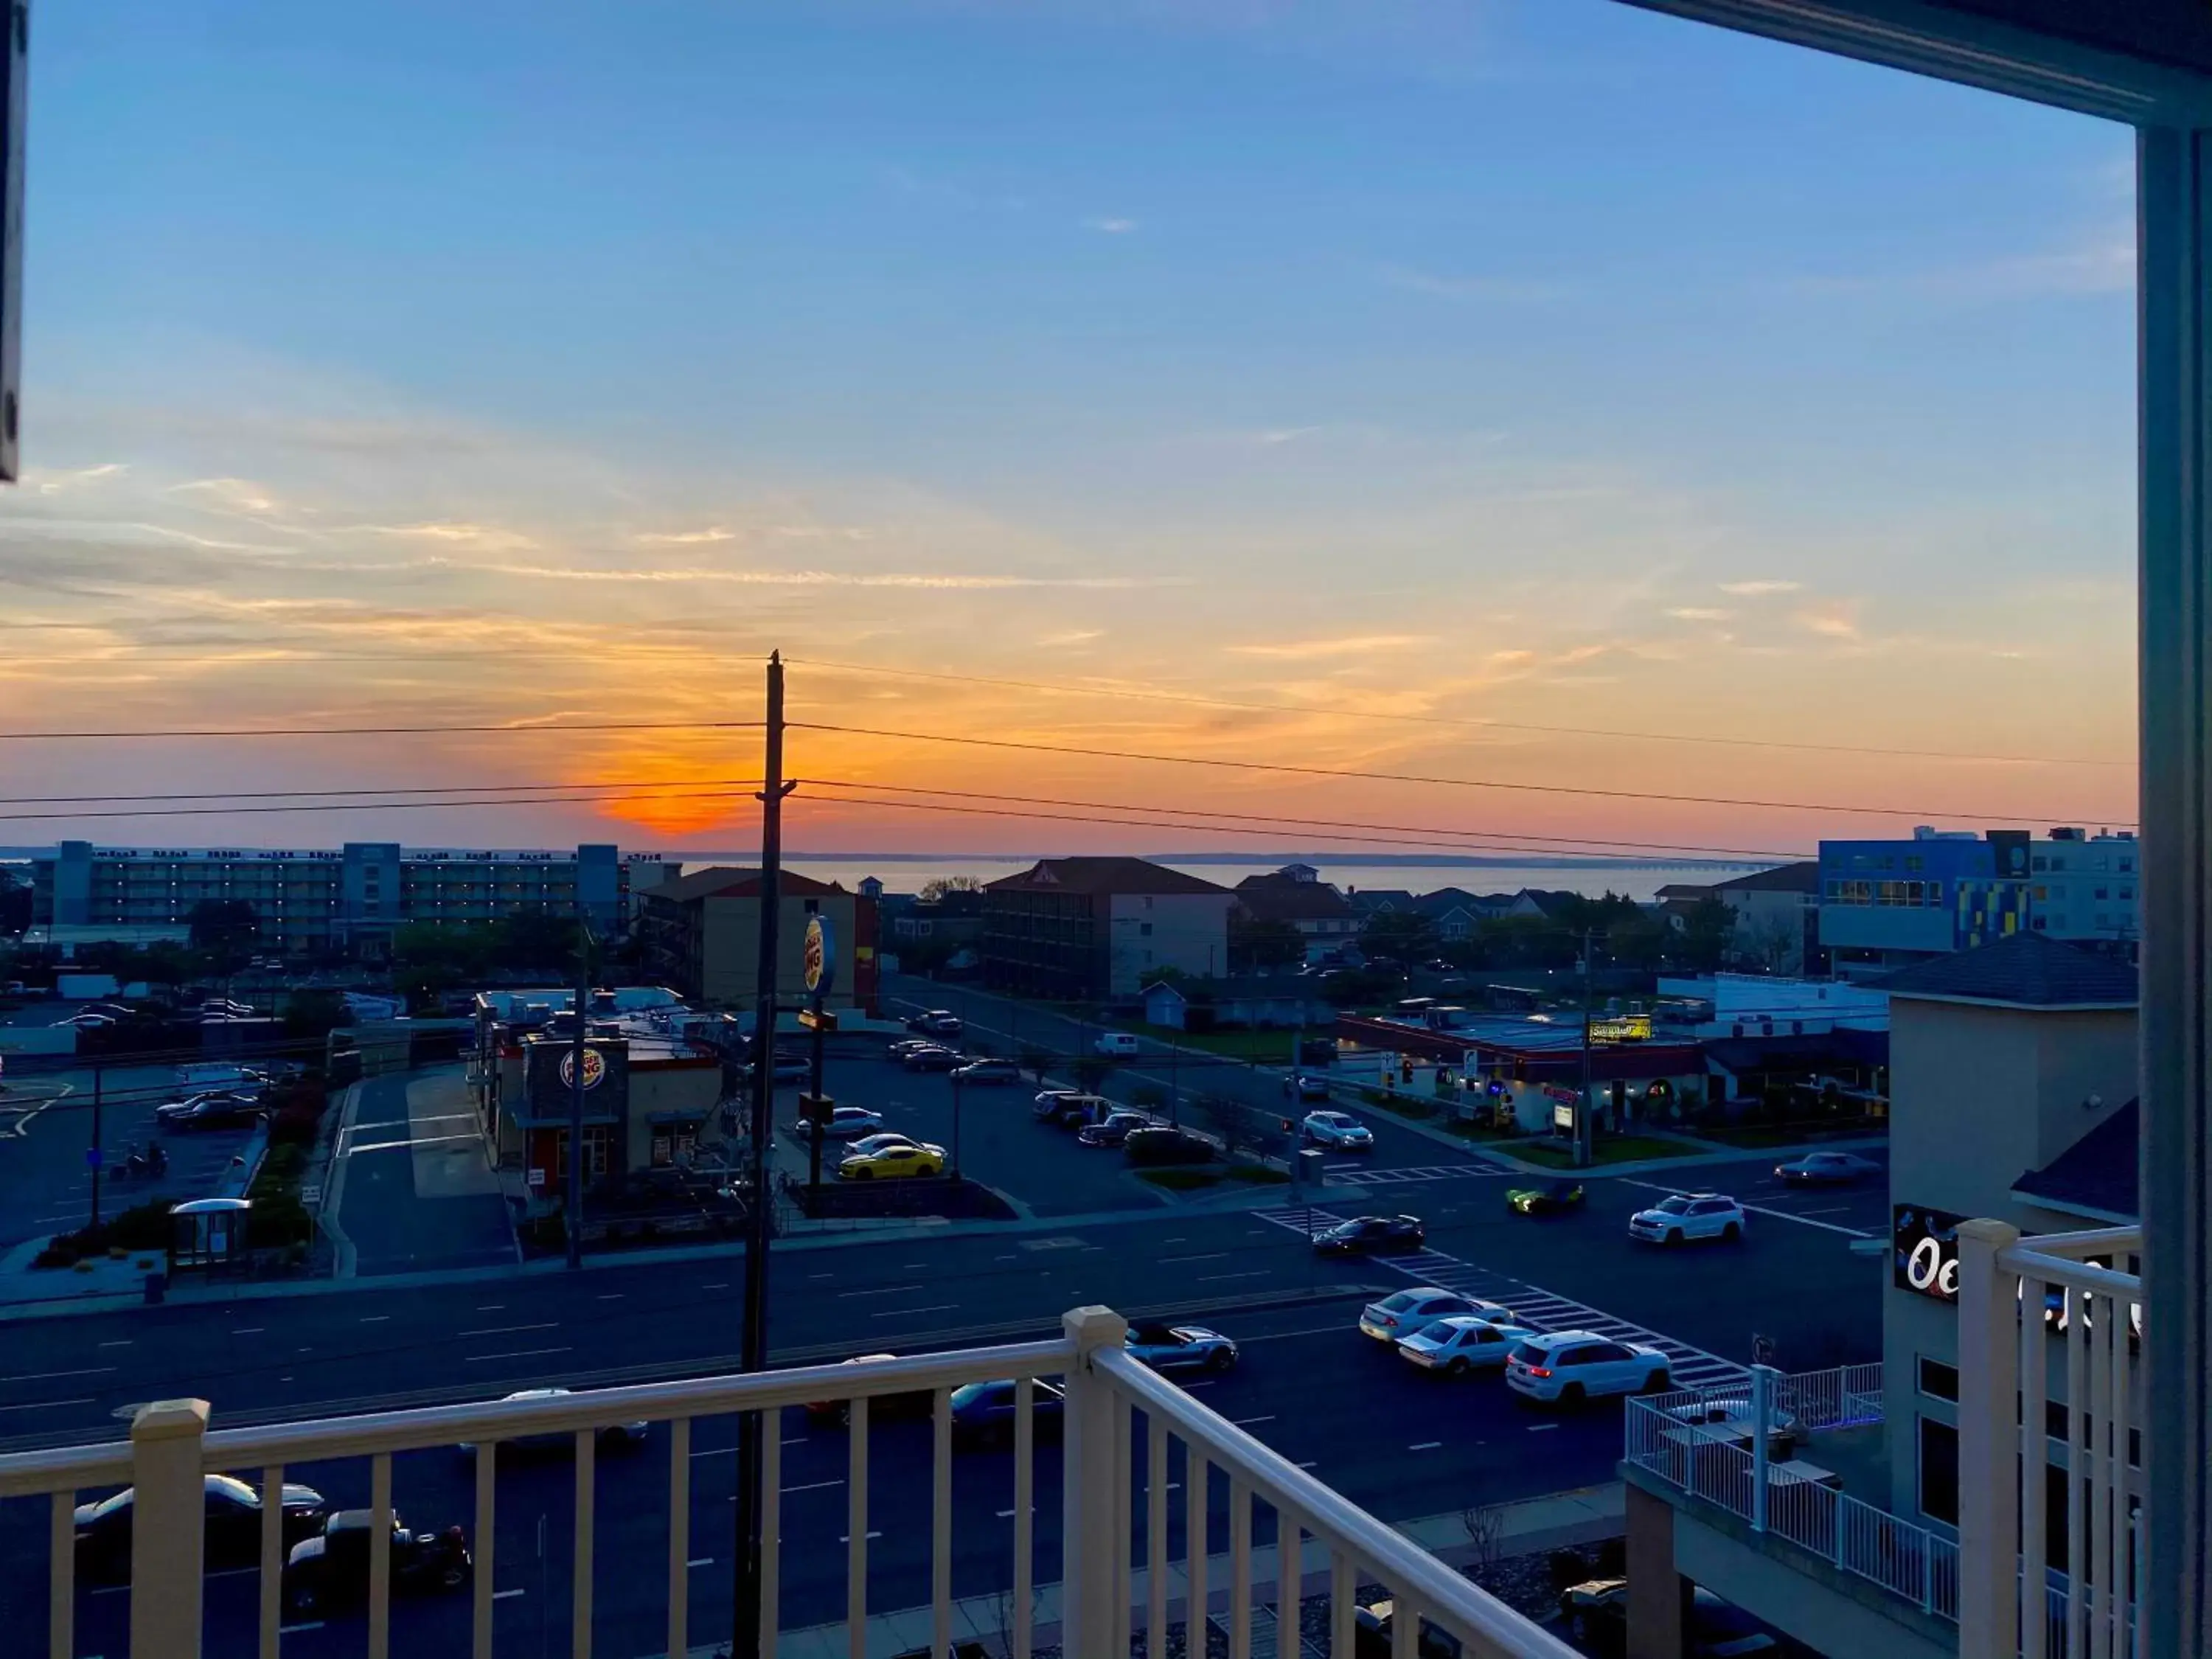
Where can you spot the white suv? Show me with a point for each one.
(1339, 1129)
(1687, 1216)
(1572, 1366)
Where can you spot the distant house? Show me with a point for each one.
(1777, 917)
(1258, 1001)
(1080, 928)
(1322, 916)
(1381, 900)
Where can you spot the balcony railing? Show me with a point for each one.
(1125, 1431)
(1724, 1464)
(2048, 1331)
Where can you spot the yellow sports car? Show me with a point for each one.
(893, 1162)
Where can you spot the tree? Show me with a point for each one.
(1706, 934)
(938, 886)
(1775, 942)
(1405, 935)
(1265, 945)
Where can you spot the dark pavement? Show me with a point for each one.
(416, 1191)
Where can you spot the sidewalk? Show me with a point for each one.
(1580, 1516)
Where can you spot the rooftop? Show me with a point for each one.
(1101, 876)
(2099, 1176)
(730, 882)
(2024, 971)
(1803, 877)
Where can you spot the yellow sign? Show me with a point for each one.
(1636, 1028)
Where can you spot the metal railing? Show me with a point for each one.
(2049, 1329)
(1115, 1519)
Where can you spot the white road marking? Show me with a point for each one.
(1425, 1445)
(610, 1296)
(41, 1405)
(296, 1630)
(846, 1538)
(702, 1561)
(902, 1313)
(817, 1485)
(374, 1319)
(718, 1285)
(249, 1330)
(508, 1330)
(1247, 1422)
(44, 1376)
(521, 1354)
(1210, 1255)
(120, 1342)
(1539, 1428)
(502, 1595)
(493, 1307)
(1216, 1278)
(721, 1451)
(887, 1289)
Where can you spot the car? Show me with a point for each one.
(86, 1021)
(1179, 1347)
(1731, 1419)
(846, 1123)
(1596, 1613)
(1158, 1143)
(919, 1402)
(1461, 1343)
(112, 1010)
(900, 1048)
(215, 1109)
(935, 1058)
(1687, 1216)
(1045, 1106)
(936, 1022)
(232, 1538)
(330, 1571)
(783, 1068)
(1071, 1110)
(1372, 1234)
(1549, 1199)
(1826, 1170)
(894, 1163)
(1568, 1367)
(1113, 1128)
(615, 1437)
(869, 1145)
(984, 1412)
(1404, 1312)
(1117, 1045)
(1306, 1085)
(987, 1070)
(1345, 1132)
(229, 1009)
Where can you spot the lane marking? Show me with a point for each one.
(1210, 1256)
(120, 1342)
(41, 1405)
(374, 1319)
(1247, 1422)
(887, 1289)
(45, 1376)
(502, 1595)
(817, 1485)
(249, 1330)
(522, 1353)
(296, 1630)
(904, 1313)
(703, 1561)
(1539, 1428)
(508, 1330)
(1216, 1278)
(1005, 1515)
(493, 1307)
(718, 1285)
(848, 1538)
(1426, 1445)
(610, 1296)
(721, 1451)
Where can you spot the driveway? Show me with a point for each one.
(417, 1190)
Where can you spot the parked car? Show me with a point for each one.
(936, 1022)
(1069, 1109)
(1113, 1128)
(1689, 1216)
(1158, 1143)
(1569, 1367)
(900, 1048)
(615, 1437)
(846, 1123)
(232, 1538)
(935, 1058)
(1180, 1348)
(1402, 1313)
(1826, 1169)
(899, 1162)
(783, 1068)
(1118, 1045)
(217, 1110)
(1548, 1199)
(984, 1412)
(1306, 1085)
(868, 1145)
(987, 1070)
(329, 1572)
(1595, 1613)
(1372, 1234)
(1462, 1343)
(915, 1402)
(1341, 1130)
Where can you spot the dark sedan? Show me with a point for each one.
(216, 1109)
(1826, 1169)
(1372, 1234)
(933, 1059)
(989, 1071)
(1160, 1144)
(984, 1412)
(1113, 1129)
(233, 1527)
(1550, 1198)
(1180, 1348)
(329, 1572)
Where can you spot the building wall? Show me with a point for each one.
(1045, 944)
(1148, 932)
(2086, 890)
(1786, 918)
(727, 941)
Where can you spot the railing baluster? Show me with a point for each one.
(856, 1538)
(679, 1534)
(1343, 1611)
(2035, 1457)
(2074, 1310)
(1124, 1504)
(1290, 1566)
(379, 1556)
(487, 1486)
(272, 1557)
(579, 1602)
(2097, 1310)
(61, 1576)
(1405, 1625)
(1025, 1510)
(1240, 1570)
(1156, 1536)
(1194, 1545)
(771, 1515)
(2115, 1564)
(940, 1527)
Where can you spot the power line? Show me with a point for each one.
(424, 789)
(1475, 722)
(507, 729)
(1409, 777)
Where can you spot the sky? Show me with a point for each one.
(1366, 385)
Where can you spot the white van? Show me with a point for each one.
(1119, 1045)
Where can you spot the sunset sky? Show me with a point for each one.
(1543, 362)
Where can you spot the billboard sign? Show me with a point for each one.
(821, 975)
(1924, 1251)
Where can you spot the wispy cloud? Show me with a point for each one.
(1761, 585)
(1072, 636)
(799, 578)
(229, 494)
(490, 537)
(712, 533)
(1701, 613)
(53, 484)
(1349, 645)
(1503, 290)
(1833, 622)
(1110, 227)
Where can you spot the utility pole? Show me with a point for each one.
(572, 1227)
(745, 1636)
(1588, 1107)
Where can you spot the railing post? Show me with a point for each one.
(168, 1528)
(1091, 1553)
(1762, 1412)
(1989, 1443)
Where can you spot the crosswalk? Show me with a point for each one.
(1362, 1175)
(1688, 1367)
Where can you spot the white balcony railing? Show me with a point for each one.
(2049, 1332)
(1113, 1408)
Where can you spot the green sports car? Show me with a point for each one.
(1542, 1200)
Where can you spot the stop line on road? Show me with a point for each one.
(1688, 1367)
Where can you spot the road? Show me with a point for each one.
(416, 1190)
(1393, 1439)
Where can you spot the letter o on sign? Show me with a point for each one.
(1926, 1266)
